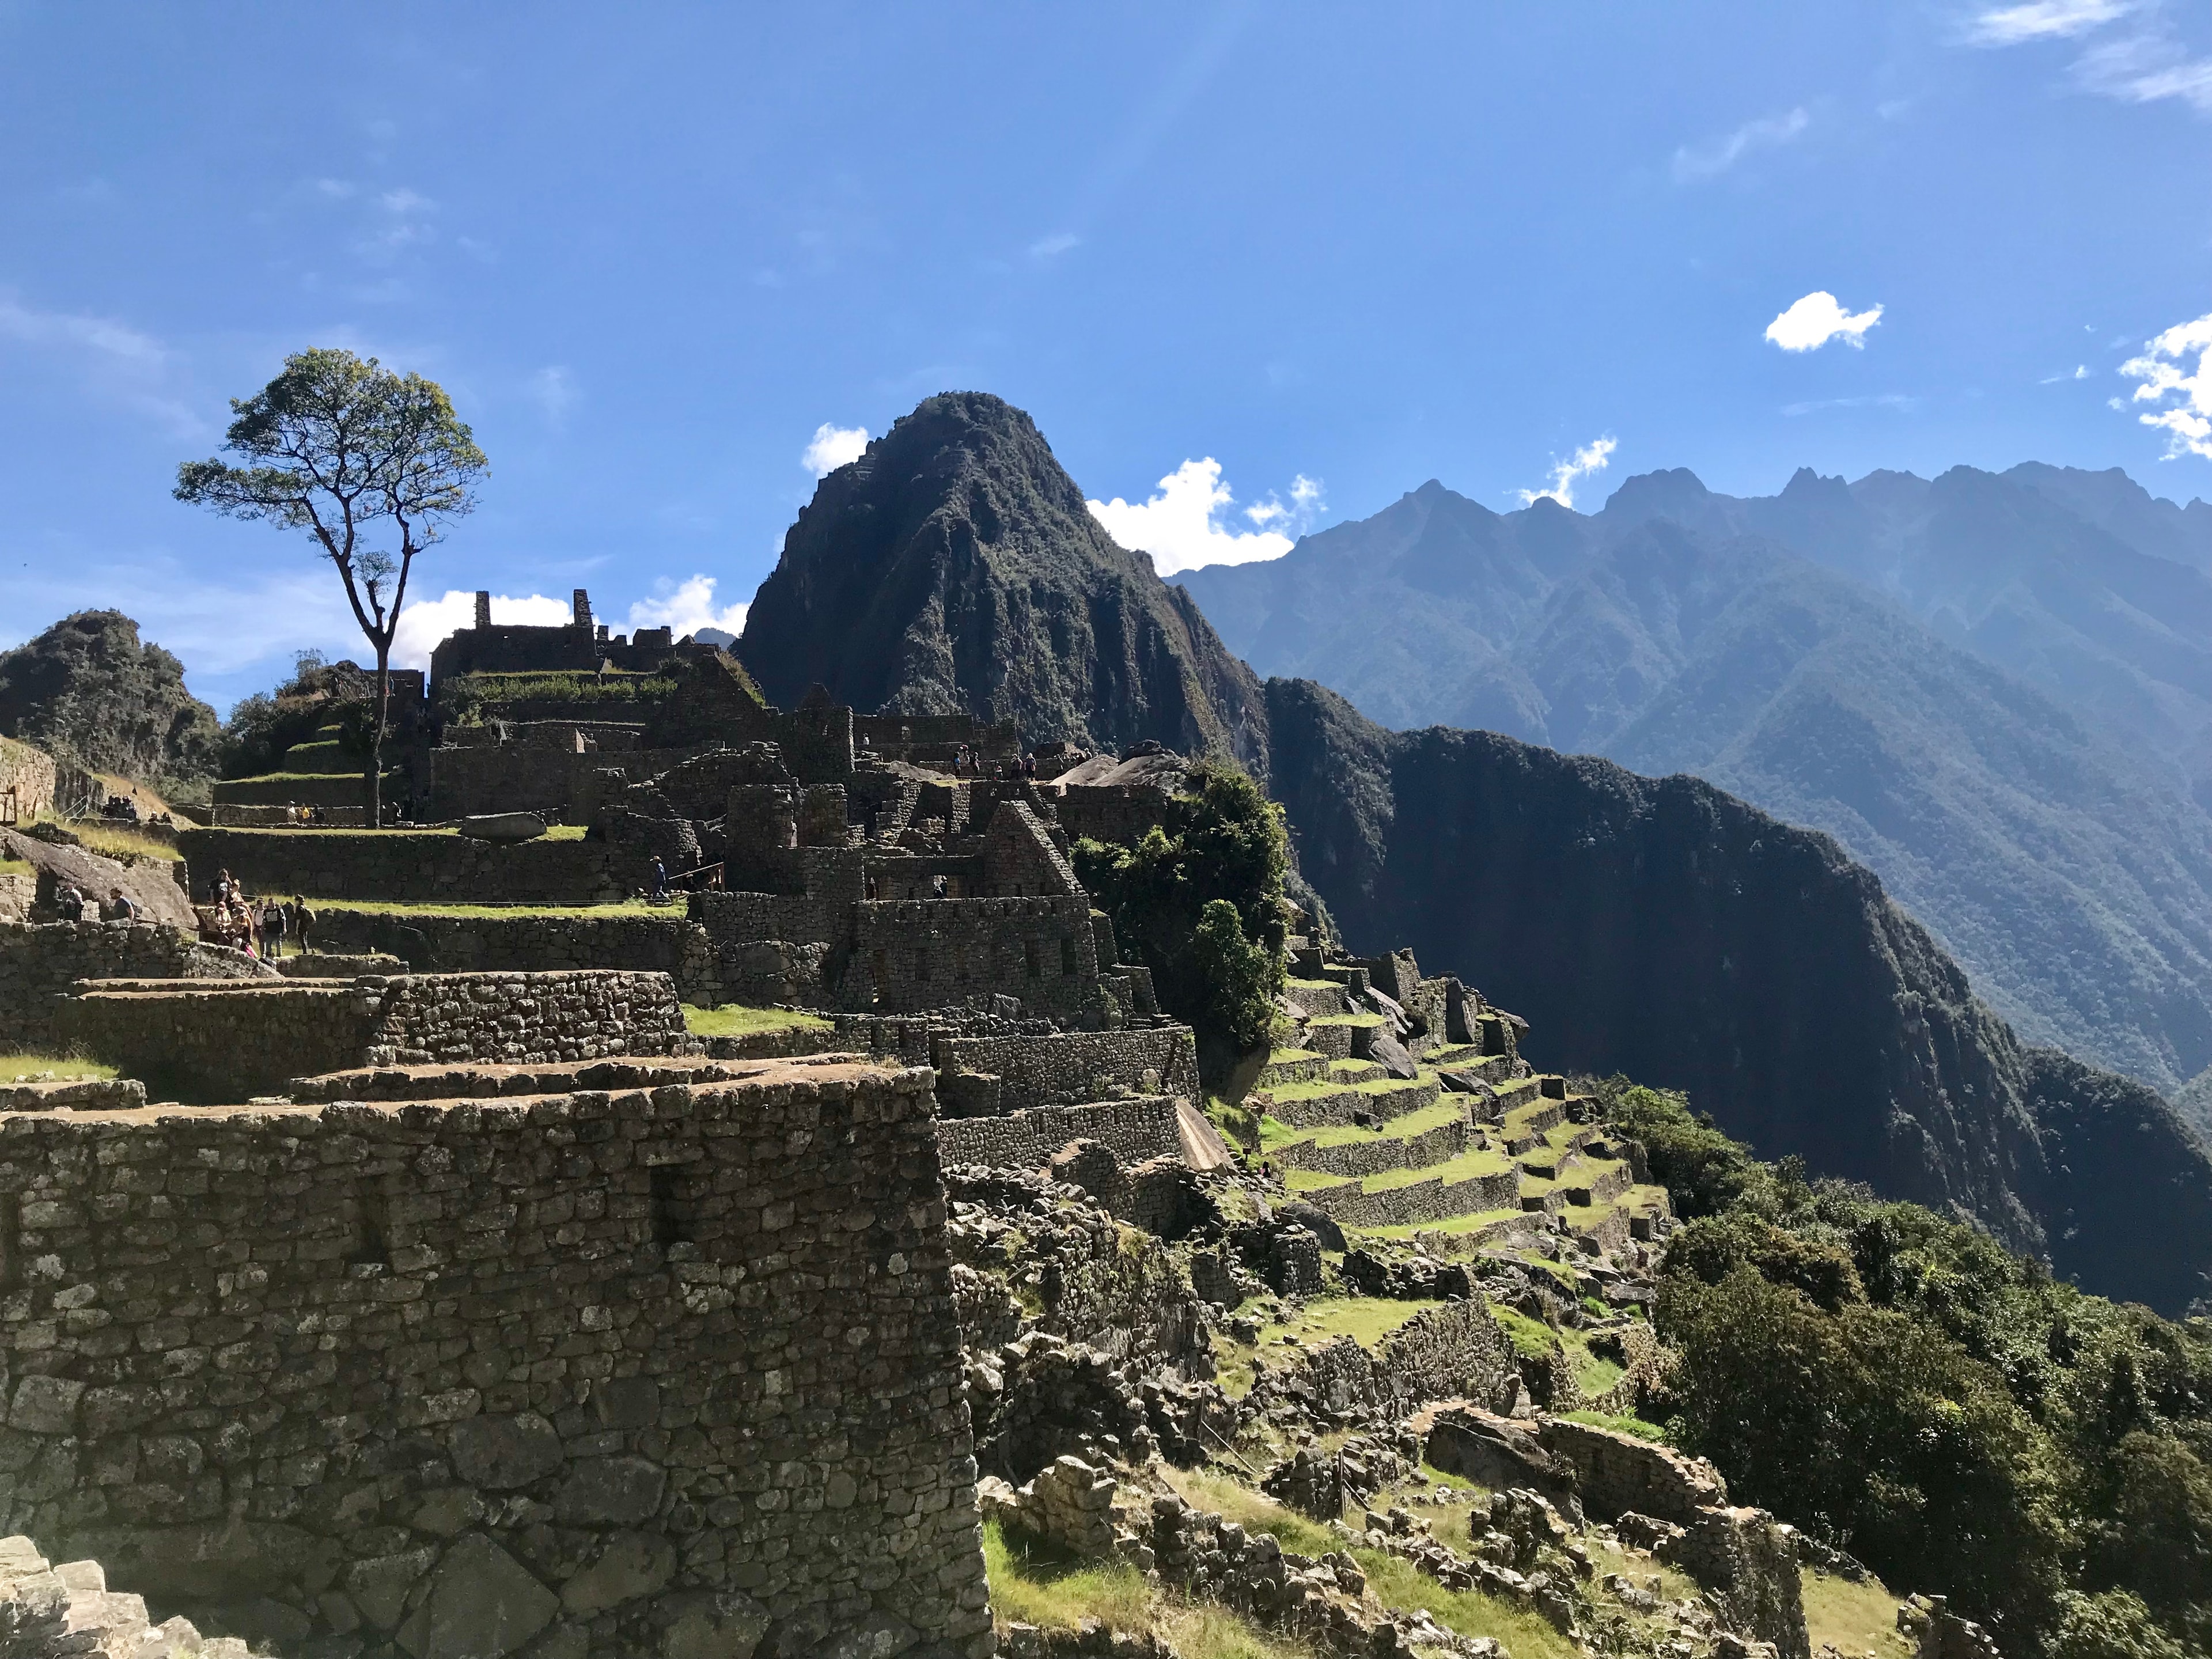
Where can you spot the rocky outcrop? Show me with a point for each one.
(48, 1612)
(88, 692)
(954, 567)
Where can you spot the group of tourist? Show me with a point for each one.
(259, 929)
(77, 905)
(966, 764)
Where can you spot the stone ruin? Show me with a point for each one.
(451, 1298)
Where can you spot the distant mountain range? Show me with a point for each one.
(1663, 929)
(1996, 690)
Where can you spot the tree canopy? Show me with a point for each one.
(1199, 902)
(370, 464)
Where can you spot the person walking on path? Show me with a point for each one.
(302, 919)
(660, 880)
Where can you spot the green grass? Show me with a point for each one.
(1315, 984)
(14, 1066)
(1531, 1338)
(1404, 1128)
(17, 867)
(1401, 1584)
(1620, 1422)
(1365, 1319)
(1345, 1019)
(1031, 1582)
(1465, 1167)
(1454, 1224)
(116, 840)
(1254, 1511)
(434, 908)
(735, 1019)
(1854, 1618)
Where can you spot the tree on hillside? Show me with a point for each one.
(1198, 901)
(371, 464)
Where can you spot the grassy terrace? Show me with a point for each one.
(1345, 1019)
(15, 1066)
(1399, 1128)
(1465, 1167)
(1480, 1221)
(735, 1019)
(434, 908)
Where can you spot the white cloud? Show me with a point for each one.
(1045, 247)
(426, 621)
(687, 606)
(2166, 372)
(1711, 159)
(337, 189)
(1815, 320)
(833, 446)
(553, 388)
(2080, 373)
(2042, 19)
(118, 361)
(1592, 457)
(1181, 526)
(1896, 400)
(2144, 69)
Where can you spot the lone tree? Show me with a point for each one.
(357, 456)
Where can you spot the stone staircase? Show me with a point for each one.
(48, 1611)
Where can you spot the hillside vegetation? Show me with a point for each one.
(92, 695)
(1904, 1388)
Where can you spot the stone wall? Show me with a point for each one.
(39, 964)
(1119, 812)
(1135, 1130)
(1433, 1199)
(673, 1373)
(1616, 1472)
(29, 772)
(417, 864)
(1073, 1066)
(1455, 1351)
(67, 1612)
(924, 953)
(535, 942)
(1365, 1158)
(232, 1043)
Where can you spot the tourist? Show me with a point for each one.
(301, 919)
(272, 929)
(220, 893)
(70, 903)
(1029, 766)
(660, 880)
(119, 907)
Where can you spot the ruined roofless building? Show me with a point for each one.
(580, 643)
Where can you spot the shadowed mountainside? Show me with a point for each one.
(2061, 862)
(954, 568)
(1662, 928)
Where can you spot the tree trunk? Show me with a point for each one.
(376, 736)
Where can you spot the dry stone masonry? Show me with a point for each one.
(671, 1371)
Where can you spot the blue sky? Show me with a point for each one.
(1310, 256)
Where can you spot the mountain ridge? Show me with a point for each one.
(1675, 632)
(1661, 928)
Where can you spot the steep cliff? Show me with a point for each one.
(954, 567)
(1665, 929)
(1657, 927)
